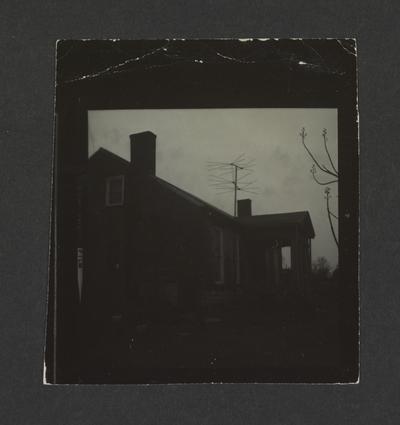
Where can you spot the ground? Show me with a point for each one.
(267, 338)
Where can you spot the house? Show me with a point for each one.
(150, 247)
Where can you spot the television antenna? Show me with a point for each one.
(232, 177)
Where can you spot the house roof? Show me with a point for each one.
(267, 221)
(102, 152)
(190, 198)
(178, 191)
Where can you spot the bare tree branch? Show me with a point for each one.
(327, 197)
(324, 135)
(333, 215)
(322, 167)
(331, 172)
(314, 171)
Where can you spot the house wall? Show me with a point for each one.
(169, 256)
(160, 252)
(163, 246)
(104, 265)
(301, 260)
(261, 260)
(221, 238)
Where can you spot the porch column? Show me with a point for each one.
(297, 261)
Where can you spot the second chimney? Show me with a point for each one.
(143, 152)
(244, 207)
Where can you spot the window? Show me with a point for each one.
(115, 191)
(286, 258)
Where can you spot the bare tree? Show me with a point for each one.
(321, 268)
(330, 176)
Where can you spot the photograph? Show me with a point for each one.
(204, 213)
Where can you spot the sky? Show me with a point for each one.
(187, 139)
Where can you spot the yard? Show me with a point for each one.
(249, 340)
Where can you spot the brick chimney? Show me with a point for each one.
(143, 152)
(244, 207)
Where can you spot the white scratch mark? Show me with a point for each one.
(233, 59)
(346, 49)
(115, 68)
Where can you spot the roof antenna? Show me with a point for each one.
(234, 176)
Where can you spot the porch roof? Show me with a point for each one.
(282, 220)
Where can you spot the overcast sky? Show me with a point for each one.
(188, 138)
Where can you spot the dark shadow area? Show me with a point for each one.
(273, 340)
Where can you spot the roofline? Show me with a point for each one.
(201, 201)
(190, 195)
(306, 215)
(112, 154)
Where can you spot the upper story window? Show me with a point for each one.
(115, 191)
